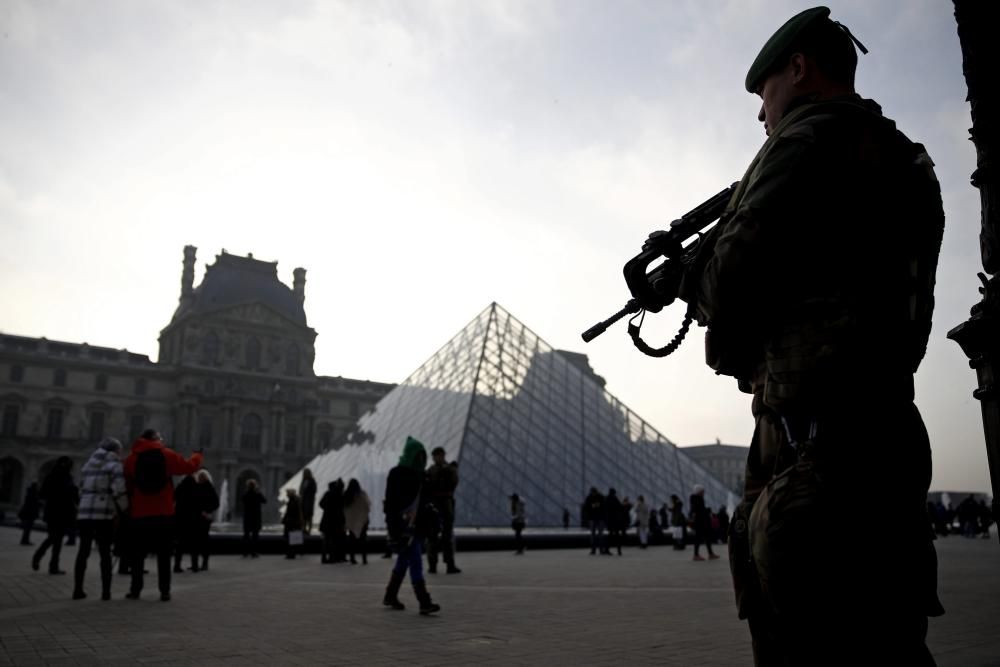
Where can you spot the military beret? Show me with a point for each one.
(780, 42)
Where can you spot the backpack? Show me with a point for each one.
(151, 471)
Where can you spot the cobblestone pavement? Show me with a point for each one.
(554, 607)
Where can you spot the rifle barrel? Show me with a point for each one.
(593, 332)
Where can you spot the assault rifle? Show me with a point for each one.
(653, 290)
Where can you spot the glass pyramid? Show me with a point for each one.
(519, 417)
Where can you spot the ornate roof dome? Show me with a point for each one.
(234, 280)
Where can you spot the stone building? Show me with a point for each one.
(727, 462)
(234, 376)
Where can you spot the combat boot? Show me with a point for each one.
(424, 598)
(391, 598)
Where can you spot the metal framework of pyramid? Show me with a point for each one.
(518, 417)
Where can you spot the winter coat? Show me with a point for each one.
(102, 487)
(594, 508)
(307, 492)
(356, 513)
(252, 501)
(31, 507)
(293, 515)
(517, 514)
(207, 501)
(642, 514)
(332, 504)
(700, 517)
(402, 494)
(677, 514)
(160, 503)
(61, 497)
(615, 512)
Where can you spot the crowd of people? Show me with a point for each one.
(344, 524)
(972, 518)
(609, 518)
(129, 508)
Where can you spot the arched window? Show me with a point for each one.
(97, 425)
(253, 353)
(210, 349)
(250, 437)
(54, 425)
(11, 414)
(11, 479)
(324, 437)
(292, 360)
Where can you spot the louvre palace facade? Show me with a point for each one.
(234, 376)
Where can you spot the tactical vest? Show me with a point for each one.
(802, 353)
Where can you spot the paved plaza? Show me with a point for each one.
(552, 607)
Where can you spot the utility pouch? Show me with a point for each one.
(728, 353)
(786, 530)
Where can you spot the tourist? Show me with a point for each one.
(701, 522)
(102, 498)
(442, 479)
(60, 496)
(332, 523)
(678, 522)
(293, 523)
(149, 472)
(595, 516)
(252, 518)
(307, 492)
(405, 517)
(723, 515)
(565, 518)
(185, 522)
(357, 507)
(207, 503)
(28, 513)
(617, 521)
(642, 521)
(517, 522)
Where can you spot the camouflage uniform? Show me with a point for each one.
(817, 288)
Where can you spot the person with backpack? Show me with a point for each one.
(149, 470)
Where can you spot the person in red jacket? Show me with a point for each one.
(149, 471)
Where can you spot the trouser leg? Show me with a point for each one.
(26, 527)
(87, 535)
(448, 539)
(104, 535)
(57, 544)
(137, 560)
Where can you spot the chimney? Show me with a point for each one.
(187, 275)
(299, 284)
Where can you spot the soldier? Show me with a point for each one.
(442, 479)
(817, 290)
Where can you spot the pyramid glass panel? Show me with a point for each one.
(519, 417)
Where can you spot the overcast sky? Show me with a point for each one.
(422, 159)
